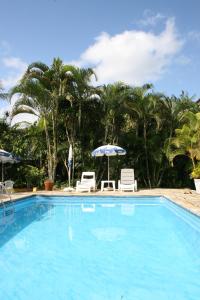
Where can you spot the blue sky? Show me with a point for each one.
(133, 41)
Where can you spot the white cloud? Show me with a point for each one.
(194, 35)
(183, 60)
(150, 18)
(134, 56)
(15, 69)
(15, 63)
(4, 109)
(4, 48)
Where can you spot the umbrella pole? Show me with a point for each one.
(108, 169)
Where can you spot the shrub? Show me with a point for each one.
(196, 172)
(34, 176)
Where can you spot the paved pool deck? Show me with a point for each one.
(186, 198)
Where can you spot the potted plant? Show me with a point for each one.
(48, 184)
(196, 176)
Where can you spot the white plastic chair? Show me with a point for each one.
(87, 182)
(127, 181)
(8, 185)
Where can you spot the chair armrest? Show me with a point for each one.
(119, 184)
(135, 185)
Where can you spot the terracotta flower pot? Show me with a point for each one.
(48, 184)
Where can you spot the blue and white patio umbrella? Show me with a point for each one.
(6, 157)
(108, 150)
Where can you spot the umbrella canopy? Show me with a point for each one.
(6, 157)
(108, 150)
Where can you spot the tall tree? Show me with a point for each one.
(113, 97)
(174, 109)
(42, 91)
(144, 107)
(77, 113)
(39, 93)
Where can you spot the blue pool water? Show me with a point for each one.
(99, 248)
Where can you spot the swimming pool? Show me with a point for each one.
(99, 248)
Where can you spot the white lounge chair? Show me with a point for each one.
(8, 185)
(127, 181)
(88, 208)
(87, 182)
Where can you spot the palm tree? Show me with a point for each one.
(34, 100)
(80, 89)
(112, 98)
(187, 139)
(144, 107)
(174, 109)
(81, 96)
(40, 91)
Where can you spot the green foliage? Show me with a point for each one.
(41, 92)
(154, 129)
(196, 172)
(187, 139)
(34, 176)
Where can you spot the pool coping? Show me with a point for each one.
(185, 198)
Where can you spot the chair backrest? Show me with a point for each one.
(8, 184)
(127, 176)
(88, 177)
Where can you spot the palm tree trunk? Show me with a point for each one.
(79, 114)
(146, 154)
(49, 154)
(193, 162)
(54, 122)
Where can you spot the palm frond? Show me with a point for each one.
(23, 109)
(37, 65)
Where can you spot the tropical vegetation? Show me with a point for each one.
(161, 134)
(196, 172)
